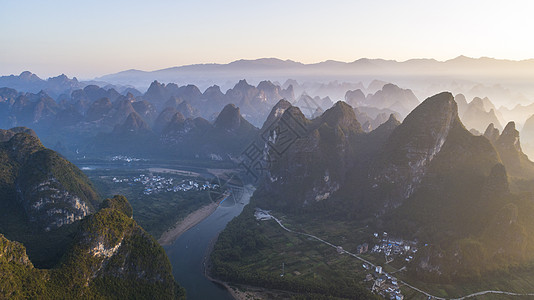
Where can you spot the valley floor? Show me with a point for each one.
(306, 251)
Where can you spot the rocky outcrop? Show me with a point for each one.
(230, 120)
(509, 147)
(394, 98)
(492, 133)
(412, 147)
(476, 116)
(52, 191)
(276, 113)
(328, 141)
(355, 98)
(111, 255)
(134, 124)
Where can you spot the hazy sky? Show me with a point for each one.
(93, 38)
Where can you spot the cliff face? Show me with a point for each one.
(508, 146)
(411, 148)
(309, 159)
(111, 256)
(52, 191)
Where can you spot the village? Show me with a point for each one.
(393, 248)
(125, 158)
(153, 184)
(384, 284)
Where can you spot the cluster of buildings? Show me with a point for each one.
(384, 284)
(124, 158)
(155, 184)
(394, 247)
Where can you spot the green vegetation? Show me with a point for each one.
(119, 203)
(111, 256)
(252, 252)
(24, 165)
(155, 212)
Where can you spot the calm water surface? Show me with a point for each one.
(187, 253)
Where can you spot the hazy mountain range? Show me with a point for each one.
(426, 178)
(462, 67)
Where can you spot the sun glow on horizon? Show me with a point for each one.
(96, 38)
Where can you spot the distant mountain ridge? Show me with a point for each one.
(269, 67)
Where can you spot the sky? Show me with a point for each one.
(87, 39)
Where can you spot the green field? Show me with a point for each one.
(252, 252)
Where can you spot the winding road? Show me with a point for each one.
(341, 250)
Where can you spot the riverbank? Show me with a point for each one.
(169, 236)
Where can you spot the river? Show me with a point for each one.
(187, 253)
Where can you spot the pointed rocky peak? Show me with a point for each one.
(509, 148)
(296, 119)
(492, 133)
(214, 89)
(386, 128)
(187, 110)
(61, 79)
(462, 103)
(342, 115)
(156, 85)
(229, 118)
(478, 117)
(412, 146)
(119, 203)
(6, 135)
(488, 105)
(267, 85)
(157, 92)
(21, 145)
(164, 118)
(92, 88)
(429, 123)
(477, 103)
(214, 95)
(392, 122)
(243, 84)
(28, 76)
(134, 123)
(460, 98)
(276, 112)
(354, 97)
(509, 138)
(404, 100)
(288, 93)
(189, 92)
